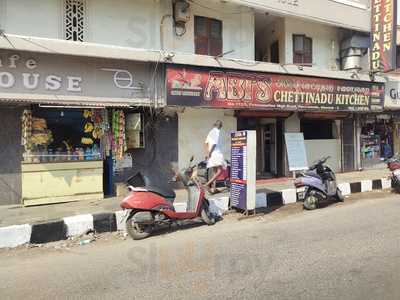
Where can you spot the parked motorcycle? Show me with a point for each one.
(223, 181)
(148, 207)
(316, 184)
(394, 166)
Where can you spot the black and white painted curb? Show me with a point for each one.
(16, 235)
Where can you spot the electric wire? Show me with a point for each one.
(3, 34)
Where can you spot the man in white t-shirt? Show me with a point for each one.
(214, 156)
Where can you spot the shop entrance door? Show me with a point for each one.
(269, 144)
(266, 135)
(269, 148)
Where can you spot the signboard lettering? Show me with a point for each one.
(289, 2)
(243, 169)
(392, 98)
(73, 77)
(234, 89)
(123, 79)
(383, 35)
(31, 80)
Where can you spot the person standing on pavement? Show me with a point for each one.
(215, 158)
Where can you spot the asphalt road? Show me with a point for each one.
(344, 251)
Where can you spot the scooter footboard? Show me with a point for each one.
(331, 187)
(193, 194)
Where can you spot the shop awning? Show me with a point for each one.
(325, 115)
(262, 114)
(57, 100)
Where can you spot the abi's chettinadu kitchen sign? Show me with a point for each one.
(190, 86)
(383, 35)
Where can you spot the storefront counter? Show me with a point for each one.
(55, 182)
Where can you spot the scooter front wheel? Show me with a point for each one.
(137, 231)
(339, 195)
(311, 201)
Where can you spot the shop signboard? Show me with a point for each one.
(392, 96)
(243, 169)
(81, 79)
(383, 35)
(220, 88)
(296, 151)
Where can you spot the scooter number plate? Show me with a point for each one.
(301, 193)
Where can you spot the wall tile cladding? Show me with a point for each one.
(10, 155)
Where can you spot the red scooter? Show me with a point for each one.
(394, 166)
(149, 207)
(222, 182)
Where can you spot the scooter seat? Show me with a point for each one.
(165, 192)
(312, 174)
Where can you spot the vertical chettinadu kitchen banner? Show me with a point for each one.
(383, 35)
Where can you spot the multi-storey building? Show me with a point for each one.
(173, 68)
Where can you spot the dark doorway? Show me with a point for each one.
(269, 150)
(275, 52)
(279, 147)
(269, 145)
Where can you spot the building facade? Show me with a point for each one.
(77, 54)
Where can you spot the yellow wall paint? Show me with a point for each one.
(61, 180)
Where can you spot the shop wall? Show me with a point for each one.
(237, 29)
(326, 42)
(32, 18)
(10, 151)
(132, 23)
(316, 149)
(129, 23)
(194, 125)
(160, 151)
(292, 124)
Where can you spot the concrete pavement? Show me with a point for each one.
(17, 214)
(344, 251)
(42, 224)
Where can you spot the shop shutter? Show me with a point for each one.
(348, 147)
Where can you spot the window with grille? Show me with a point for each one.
(302, 50)
(74, 20)
(207, 36)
